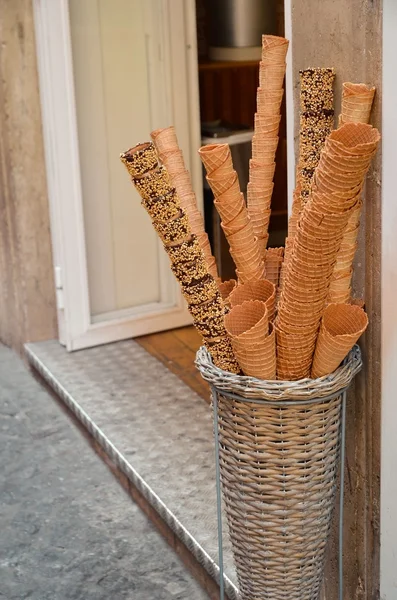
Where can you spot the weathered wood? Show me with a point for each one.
(347, 35)
(27, 293)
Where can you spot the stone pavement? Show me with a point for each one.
(67, 529)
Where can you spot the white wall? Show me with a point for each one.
(388, 508)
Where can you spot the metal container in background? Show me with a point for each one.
(236, 28)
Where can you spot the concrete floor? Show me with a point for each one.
(68, 530)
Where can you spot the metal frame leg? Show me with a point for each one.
(218, 496)
(341, 494)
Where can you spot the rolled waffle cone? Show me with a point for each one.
(315, 244)
(300, 314)
(274, 46)
(248, 322)
(271, 77)
(341, 327)
(337, 297)
(357, 101)
(269, 102)
(220, 184)
(226, 288)
(165, 140)
(174, 163)
(239, 222)
(273, 261)
(230, 208)
(259, 196)
(262, 243)
(259, 360)
(357, 139)
(262, 290)
(261, 175)
(267, 125)
(213, 156)
(296, 340)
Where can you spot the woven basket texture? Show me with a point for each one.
(279, 464)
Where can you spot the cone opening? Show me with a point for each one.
(344, 319)
(355, 134)
(244, 317)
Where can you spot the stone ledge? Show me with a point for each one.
(155, 430)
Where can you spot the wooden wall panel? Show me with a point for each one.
(27, 300)
(347, 35)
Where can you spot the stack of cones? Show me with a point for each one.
(341, 327)
(265, 139)
(262, 290)
(253, 339)
(273, 262)
(171, 156)
(316, 123)
(230, 204)
(188, 263)
(357, 101)
(334, 195)
(356, 107)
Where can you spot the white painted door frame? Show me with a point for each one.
(173, 80)
(388, 503)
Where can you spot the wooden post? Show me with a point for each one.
(347, 36)
(27, 292)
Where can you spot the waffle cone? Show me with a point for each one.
(292, 370)
(165, 140)
(262, 244)
(247, 277)
(248, 322)
(226, 288)
(339, 297)
(296, 340)
(268, 102)
(173, 162)
(229, 210)
(213, 156)
(341, 327)
(355, 139)
(182, 183)
(220, 184)
(271, 77)
(239, 222)
(262, 290)
(273, 45)
(267, 125)
(259, 196)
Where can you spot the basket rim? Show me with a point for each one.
(252, 388)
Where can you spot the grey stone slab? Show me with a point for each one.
(68, 530)
(154, 427)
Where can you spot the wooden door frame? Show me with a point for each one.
(172, 58)
(388, 497)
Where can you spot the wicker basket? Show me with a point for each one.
(278, 450)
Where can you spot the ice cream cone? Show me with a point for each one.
(341, 327)
(213, 156)
(248, 322)
(262, 290)
(165, 140)
(273, 45)
(174, 163)
(222, 183)
(231, 208)
(226, 288)
(357, 139)
(239, 222)
(201, 292)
